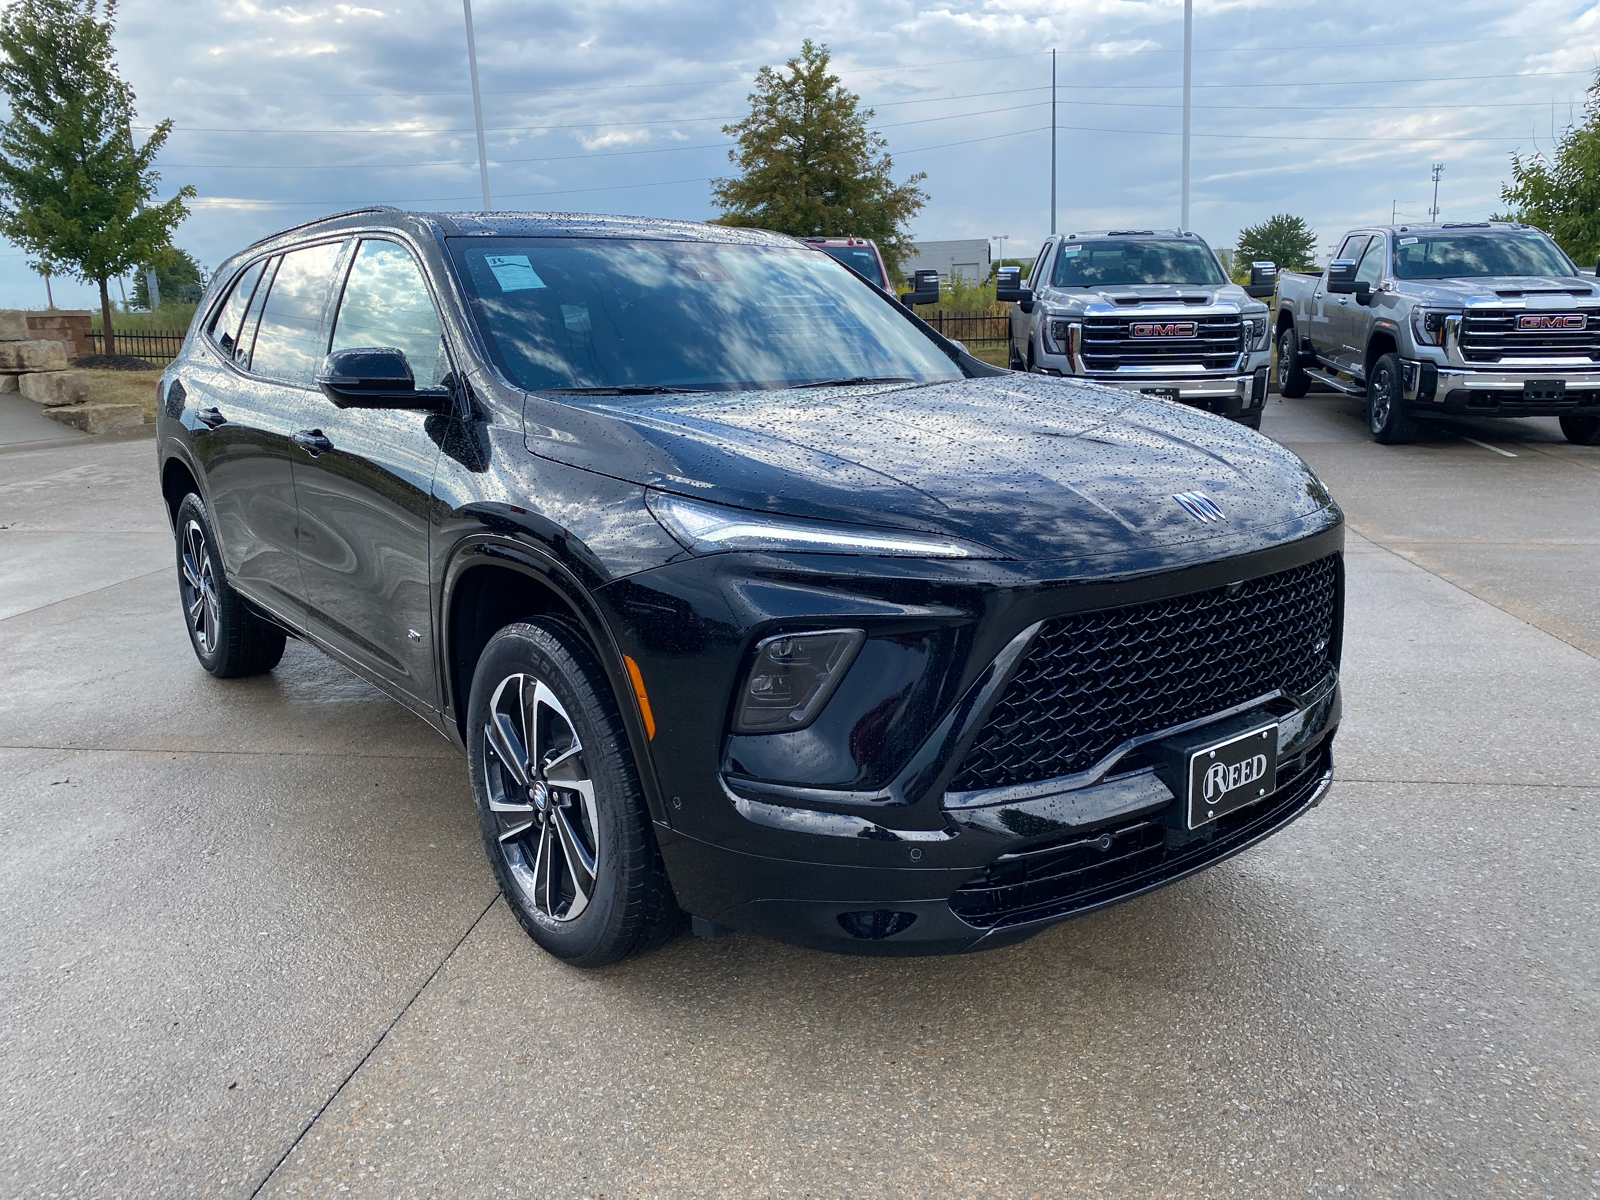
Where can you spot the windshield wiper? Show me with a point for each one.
(847, 381)
(624, 389)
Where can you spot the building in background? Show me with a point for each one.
(969, 259)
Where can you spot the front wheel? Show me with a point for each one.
(229, 640)
(1293, 382)
(1387, 419)
(1581, 429)
(559, 802)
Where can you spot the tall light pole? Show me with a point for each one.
(1052, 142)
(477, 103)
(1188, 54)
(1001, 238)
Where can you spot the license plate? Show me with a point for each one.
(1543, 391)
(1160, 393)
(1231, 774)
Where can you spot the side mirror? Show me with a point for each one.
(1362, 291)
(1008, 288)
(1341, 276)
(1263, 280)
(376, 377)
(924, 289)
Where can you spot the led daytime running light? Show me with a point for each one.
(710, 528)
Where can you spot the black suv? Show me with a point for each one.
(745, 593)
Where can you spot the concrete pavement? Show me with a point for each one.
(252, 946)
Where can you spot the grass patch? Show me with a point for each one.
(169, 318)
(125, 387)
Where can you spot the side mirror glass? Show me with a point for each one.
(376, 377)
(1263, 280)
(1341, 276)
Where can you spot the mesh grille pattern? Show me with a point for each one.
(1494, 337)
(1109, 343)
(1093, 680)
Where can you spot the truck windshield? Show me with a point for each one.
(1475, 255)
(1111, 262)
(607, 313)
(861, 258)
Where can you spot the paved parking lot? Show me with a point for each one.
(251, 945)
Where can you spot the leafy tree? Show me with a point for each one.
(179, 279)
(1561, 194)
(811, 166)
(75, 189)
(1285, 240)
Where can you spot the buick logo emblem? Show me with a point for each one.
(1200, 506)
(1545, 321)
(1222, 778)
(1170, 329)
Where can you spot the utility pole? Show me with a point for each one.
(1052, 144)
(1188, 55)
(1001, 238)
(1438, 170)
(477, 103)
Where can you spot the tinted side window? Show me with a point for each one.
(1353, 245)
(252, 316)
(290, 341)
(1371, 268)
(1035, 279)
(224, 329)
(386, 303)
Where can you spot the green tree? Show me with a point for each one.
(1285, 240)
(75, 189)
(810, 165)
(179, 279)
(1561, 194)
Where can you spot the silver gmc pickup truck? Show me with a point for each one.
(1485, 319)
(1142, 309)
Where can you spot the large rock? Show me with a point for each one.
(34, 355)
(14, 325)
(54, 389)
(8, 383)
(97, 418)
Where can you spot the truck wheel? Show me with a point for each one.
(1581, 429)
(1390, 424)
(1293, 382)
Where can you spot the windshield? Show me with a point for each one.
(1475, 255)
(1110, 262)
(598, 313)
(861, 258)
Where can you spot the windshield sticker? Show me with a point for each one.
(1071, 251)
(513, 272)
(1408, 241)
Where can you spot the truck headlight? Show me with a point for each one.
(1062, 336)
(1256, 333)
(1428, 325)
(792, 678)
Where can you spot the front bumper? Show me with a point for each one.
(1452, 391)
(1237, 394)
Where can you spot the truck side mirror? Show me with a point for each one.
(1362, 290)
(1263, 279)
(1008, 288)
(1341, 276)
(924, 289)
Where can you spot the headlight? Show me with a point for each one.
(1428, 325)
(710, 528)
(792, 678)
(1256, 332)
(1061, 336)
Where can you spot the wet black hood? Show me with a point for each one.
(1035, 467)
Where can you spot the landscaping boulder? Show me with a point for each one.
(54, 389)
(33, 355)
(97, 418)
(8, 383)
(14, 326)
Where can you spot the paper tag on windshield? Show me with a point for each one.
(1070, 251)
(1408, 241)
(513, 272)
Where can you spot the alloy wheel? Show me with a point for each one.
(1285, 358)
(200, 588)
(542, 797)
(1381, 393)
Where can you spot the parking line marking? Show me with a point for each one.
(1486, 446)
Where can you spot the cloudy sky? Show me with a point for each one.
(1330, 111)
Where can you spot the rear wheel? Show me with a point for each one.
(559, 802)
(1387, 419)
(228, 639)
(1581, 429)
(1293, 382)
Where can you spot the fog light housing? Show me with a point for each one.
(792, 678)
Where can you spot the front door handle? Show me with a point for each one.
(313, 442)
(211, 417)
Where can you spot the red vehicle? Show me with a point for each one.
(859, 254)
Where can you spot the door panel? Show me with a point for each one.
(1341, 310)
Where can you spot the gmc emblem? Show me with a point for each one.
(1564, 321)
(1175, 329)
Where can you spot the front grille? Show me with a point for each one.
(1109, 863)
(1109, 344)
(1092, 680)
(1488, 337)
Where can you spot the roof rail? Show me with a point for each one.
(1465, 225)
(371, 208)
(1130, 233)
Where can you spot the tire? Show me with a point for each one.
(1581, 429)
(565, 826)
(1387, 420)
(229, 640)
(1293, 382)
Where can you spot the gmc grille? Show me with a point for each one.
(1090, 681)
(1109, 344)
(1488, 337)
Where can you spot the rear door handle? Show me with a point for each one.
(210, 417)
(313, 442)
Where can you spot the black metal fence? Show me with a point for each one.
(970, 331)
(159, 348)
